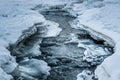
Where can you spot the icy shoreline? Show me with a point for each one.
(17, 16)
(103, 17)
(14, 19)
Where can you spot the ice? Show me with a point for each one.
(4, 76)
(100, 17)
(33, 68)
(94, 56)
(15, 17)
(85, 75)
(7, 62)
(53, 29)
(102, 23)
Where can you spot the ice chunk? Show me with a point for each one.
(4, 76)
(85, 75)
(7, 62)
(33, 69)
(53, 29)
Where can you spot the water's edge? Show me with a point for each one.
(31, 35)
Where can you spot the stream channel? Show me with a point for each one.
(62, 52)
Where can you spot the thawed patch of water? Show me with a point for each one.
(72, 51)
(67, 53)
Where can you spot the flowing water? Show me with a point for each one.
(61, 52)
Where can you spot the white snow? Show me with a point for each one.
(53, 29)
(100, 16)
(103, 19)
(15, 17)
(13, 20)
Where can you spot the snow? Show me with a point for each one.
(91, 55)
(7, 62)
(104, 21)
(15, 17)
(100, 17)
(13, 20)
(53, 29)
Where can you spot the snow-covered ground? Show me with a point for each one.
(101, 16)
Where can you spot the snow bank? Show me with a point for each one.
(103, 18)
(13, 20)
(15, 17)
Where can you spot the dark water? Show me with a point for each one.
(62, 18)
(64, 58)
(61, 53)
